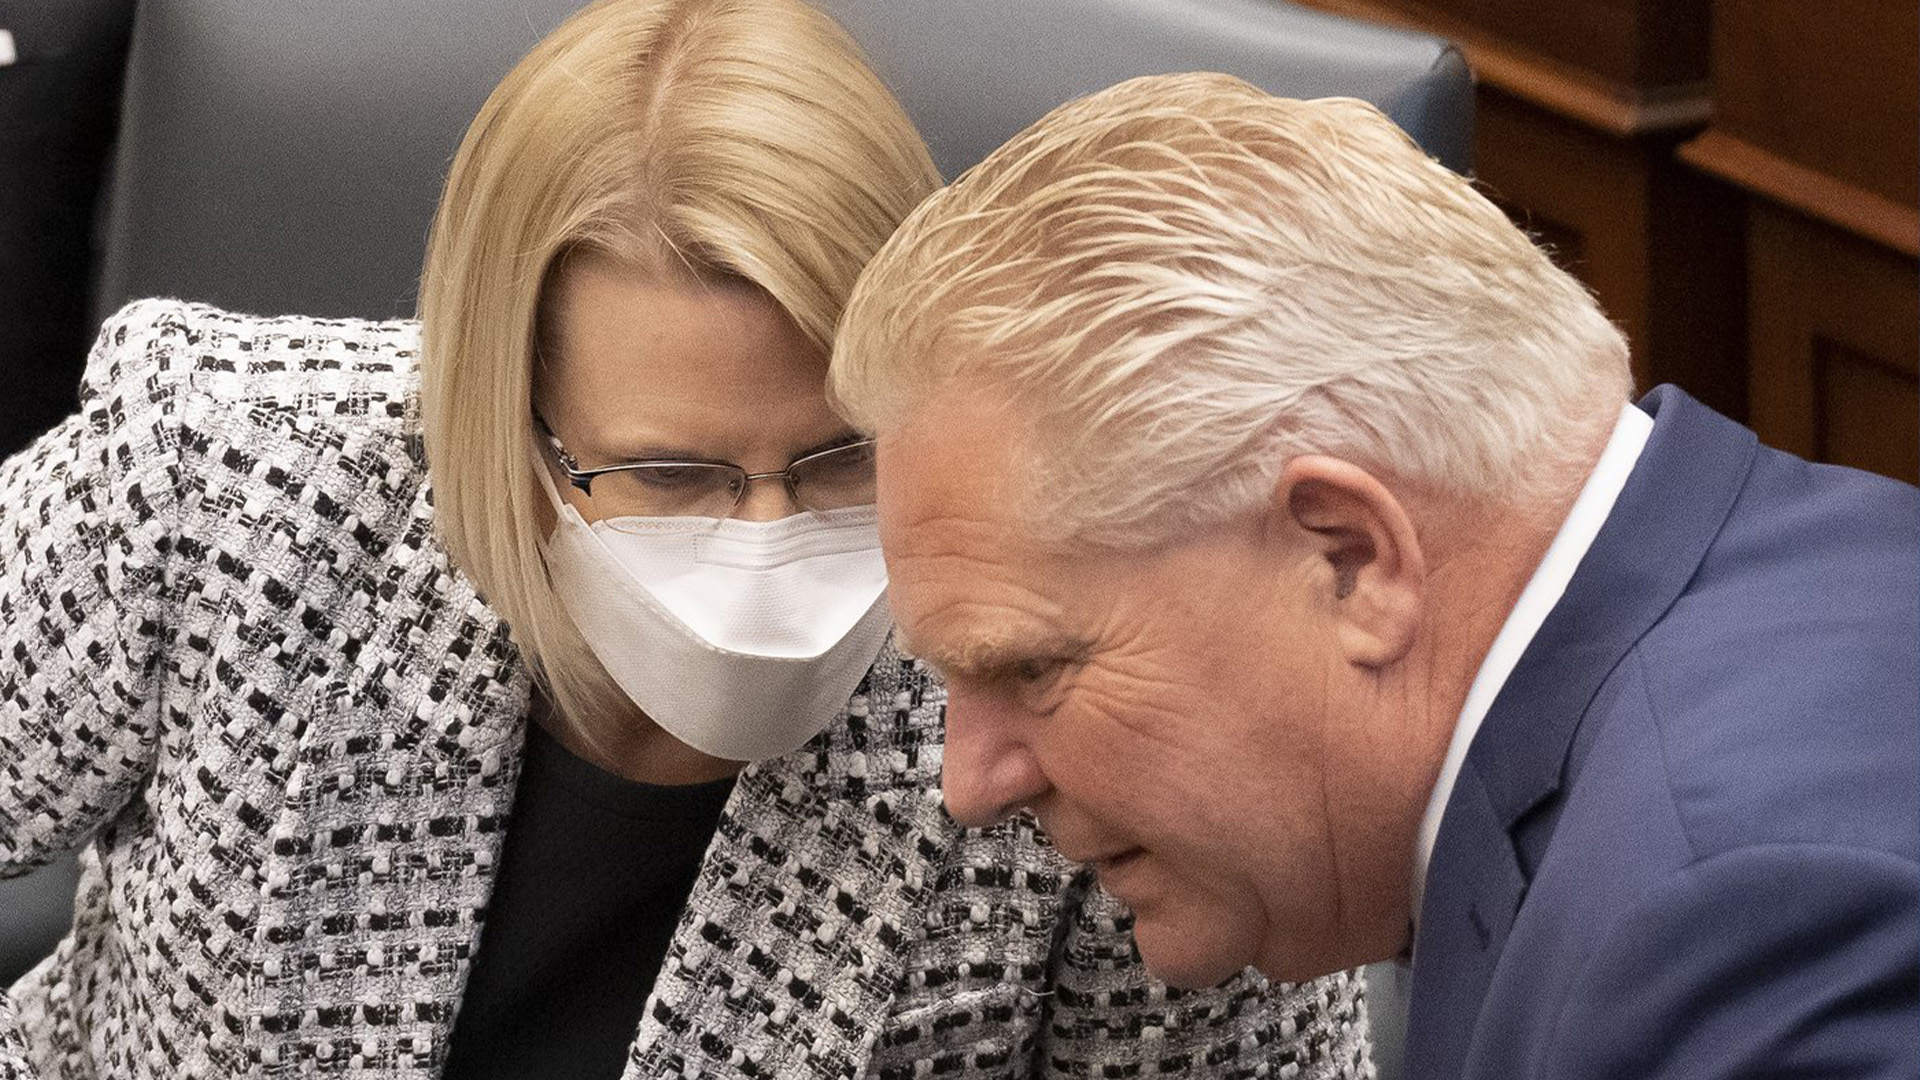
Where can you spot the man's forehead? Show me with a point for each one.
(971, 584)
(965, 591)
(949, 476)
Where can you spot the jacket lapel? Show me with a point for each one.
(788, 957)
(1464, 920)
(1659, 530)
(383, 858)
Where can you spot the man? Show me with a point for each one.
(1292, 548)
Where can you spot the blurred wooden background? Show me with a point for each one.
(1737, 180)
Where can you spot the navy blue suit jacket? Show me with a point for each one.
(1686, 839)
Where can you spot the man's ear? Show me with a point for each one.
(1376, 572)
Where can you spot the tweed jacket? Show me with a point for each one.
(239, 672)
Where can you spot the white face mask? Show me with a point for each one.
(743, 639)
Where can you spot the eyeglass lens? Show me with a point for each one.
(830, 480)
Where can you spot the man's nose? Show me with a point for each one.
(988, 773)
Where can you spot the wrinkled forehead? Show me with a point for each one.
(956, 522)
(958, 461)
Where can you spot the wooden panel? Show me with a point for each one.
(1829, 85)
(1865, 414)
(1567, 79)
(1835, 357)
(1673, 43)
(1579, 107)
(1594, 35)
(1660, 246)
(1581, 192)
(1634, 43)
(1696, 261)
(1864, 213)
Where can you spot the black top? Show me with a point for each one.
(595, 872)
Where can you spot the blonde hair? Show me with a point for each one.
(741, 139)
(1181, 281)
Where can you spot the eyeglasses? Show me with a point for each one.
(831, 479)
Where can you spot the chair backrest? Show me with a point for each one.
(973, 73)
(283, 156)
(60, 68)
(35, 913)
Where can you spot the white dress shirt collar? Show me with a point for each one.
(1543, 591)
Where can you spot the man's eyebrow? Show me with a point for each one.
(994, 651)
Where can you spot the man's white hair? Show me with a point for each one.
(1180, 282)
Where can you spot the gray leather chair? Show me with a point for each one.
(35, 912)
(59, 106)
(59, 97)
(972, 73)
(282, 156)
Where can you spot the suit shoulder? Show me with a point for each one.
(1782, 683)
(264, 420)
(322, 366)
(1818, 939)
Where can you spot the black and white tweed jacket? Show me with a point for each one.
(238, 669)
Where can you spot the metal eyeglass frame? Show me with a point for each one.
(582, 479)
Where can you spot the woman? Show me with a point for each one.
(287, 592)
